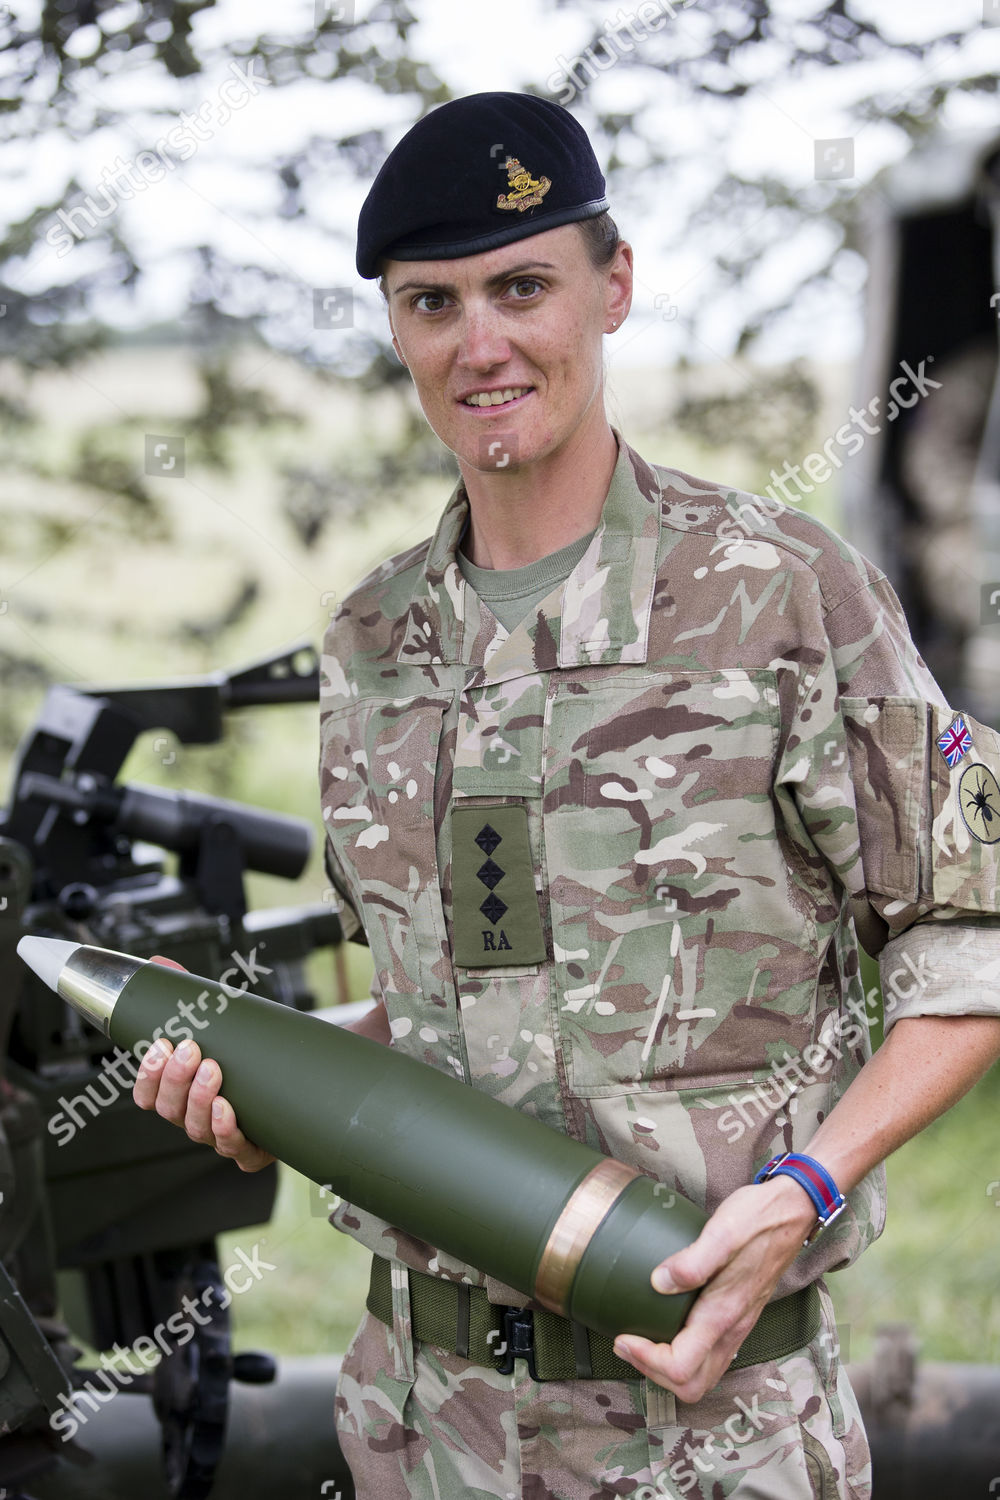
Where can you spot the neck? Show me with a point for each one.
(514, 519)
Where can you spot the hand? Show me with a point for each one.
(739, 1258)
(185, 1091)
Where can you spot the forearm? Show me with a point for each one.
(374, 1025)
(924, 1066)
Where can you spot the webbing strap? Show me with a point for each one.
(461, 1318)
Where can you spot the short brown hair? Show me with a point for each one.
(601, 237)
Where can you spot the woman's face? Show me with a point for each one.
(505, 347)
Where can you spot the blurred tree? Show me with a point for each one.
(101, 99)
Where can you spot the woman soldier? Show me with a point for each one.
(614, 782)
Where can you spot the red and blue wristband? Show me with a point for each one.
(827, 1199)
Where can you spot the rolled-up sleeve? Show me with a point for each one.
(941, 969)
(899, 794)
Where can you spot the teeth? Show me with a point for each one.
(496, 398)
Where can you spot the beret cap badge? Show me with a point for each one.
(525, 190)
(467, 178)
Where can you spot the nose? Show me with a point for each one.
(483, 343)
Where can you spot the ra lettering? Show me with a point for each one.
(494, 947)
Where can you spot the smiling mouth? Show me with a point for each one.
(497, 398)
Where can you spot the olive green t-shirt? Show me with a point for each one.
(512, 592)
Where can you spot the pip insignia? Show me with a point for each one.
(525, 190)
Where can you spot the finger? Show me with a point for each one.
(230, 1140)
(175, 1082)
(715, 1327)
(659, 1362)
(147, 1079)
(704, 1258)
(146, 1088)
(201, 1095)
(168, 963)
(680, 1361)
(648, 1357)
(681, 1273)
(699, 1353)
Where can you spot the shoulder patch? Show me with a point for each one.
(955, 742)
(979, 799)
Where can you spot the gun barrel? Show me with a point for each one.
(273, 843)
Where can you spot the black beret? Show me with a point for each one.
(476, 173)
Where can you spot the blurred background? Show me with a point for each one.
(207, 439)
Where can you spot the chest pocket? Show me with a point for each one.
(379, 761)
(673, 932)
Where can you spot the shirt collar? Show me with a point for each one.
(599, 615)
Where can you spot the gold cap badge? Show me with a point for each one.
(525, 190)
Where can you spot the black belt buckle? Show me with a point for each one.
(518, 1340)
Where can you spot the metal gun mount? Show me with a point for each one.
(121, 1205)
(70, 760)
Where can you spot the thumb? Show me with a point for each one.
(690, 1267)
(167, 963)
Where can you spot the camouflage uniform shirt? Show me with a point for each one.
(731, 761)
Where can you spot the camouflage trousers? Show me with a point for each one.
(415, 1421)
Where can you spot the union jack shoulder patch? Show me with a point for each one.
(955, 742)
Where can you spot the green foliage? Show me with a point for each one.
(63, 72)
(313, 1301)
(934, 1266)
(774, 415)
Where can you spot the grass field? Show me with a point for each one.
(89, 599)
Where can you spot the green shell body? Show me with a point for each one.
(446, 1163)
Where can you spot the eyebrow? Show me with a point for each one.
(491, 281)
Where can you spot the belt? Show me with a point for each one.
(462, 1320)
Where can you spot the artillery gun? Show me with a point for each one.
(117, 1204)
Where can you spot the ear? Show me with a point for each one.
(618, 296)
